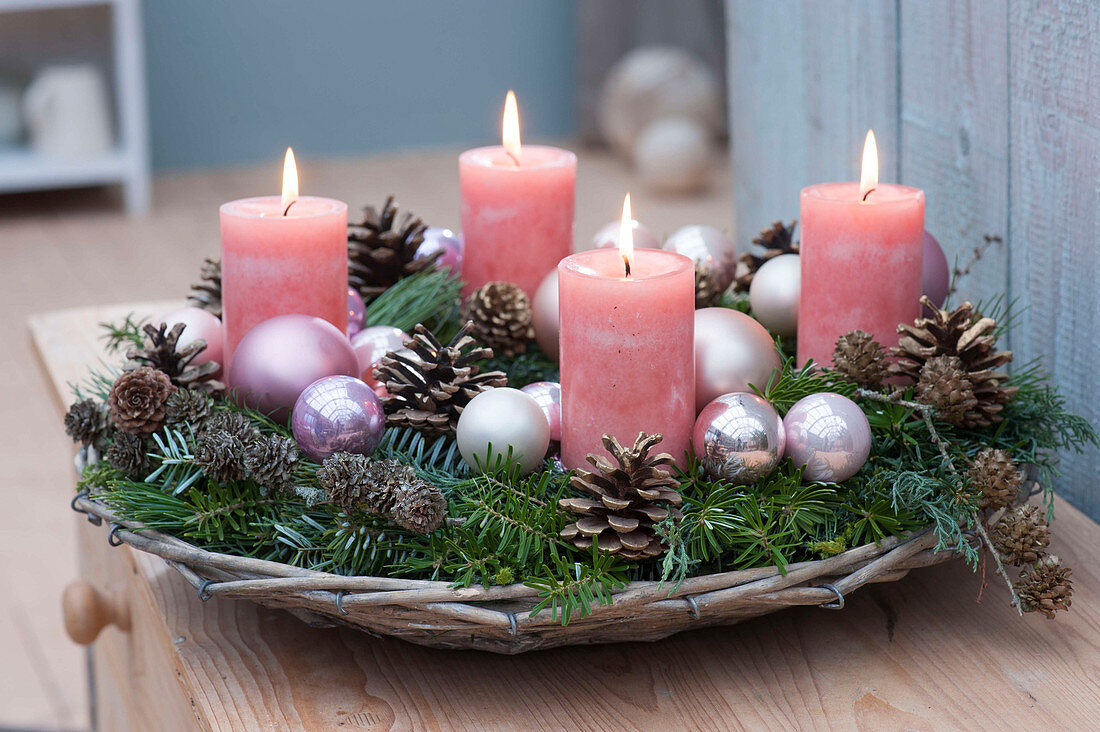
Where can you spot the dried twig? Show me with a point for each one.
(957, 273)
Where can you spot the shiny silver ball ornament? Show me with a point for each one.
(705, 245)
(499, 422)
(774, 293)
(544, 309)
(829, 435)
(732, 351)
(739, 437)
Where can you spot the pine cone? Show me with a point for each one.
(234, 423)
(995, 477)
(129, 455)
(87, 422)
(775, 240)
(945, 385)
(969, 337)
(160, 352)
(218, 453)
(380, 254)
(500, 313)
(271, 460)
(137, 400)
(1045, 587)
(207, 293)
(629, 499)
(1022, 535)
(385, 488)
(859, 358)
(188, 406)
(428, 390)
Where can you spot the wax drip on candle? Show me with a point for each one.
(510, 128)
(626, 235)
(290, 181)
(868, 177)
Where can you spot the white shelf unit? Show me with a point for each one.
(21, 169)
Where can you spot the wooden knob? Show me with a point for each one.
(88, 611)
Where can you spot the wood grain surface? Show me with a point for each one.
(921, 653)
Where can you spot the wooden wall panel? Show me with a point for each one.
(954, 128)
(1054, 206)
(806, 81)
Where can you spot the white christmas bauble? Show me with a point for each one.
(654, 82)
(774, 293)
(703, 244)
(608, 236)
(673, 154)
(499, 421)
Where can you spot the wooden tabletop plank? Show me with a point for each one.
(921, 653)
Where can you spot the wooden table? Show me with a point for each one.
(921, 653)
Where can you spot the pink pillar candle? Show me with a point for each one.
(861, 264)
(517, 219)
(627, 351)
(277, 265)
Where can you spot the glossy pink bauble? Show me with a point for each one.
(544, 311)
(438, 239)
(280, 357)
(357, 312)
(371, 344)
(935, 273)
(608, 236)
(829, 435)
(548, 396)
(199, 324)
(733, 352)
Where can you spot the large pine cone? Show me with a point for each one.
(271, 460)
(970, 338)
(207, 292)
(500, 316)
(774, 240)
(380, 253)
(996, 478)
(428, 389)
(1045, 587)
(1022, 535)
(859, 358)
(385, 488)
(162, 352)
(945, 385)
(137, 400)
(630, 498)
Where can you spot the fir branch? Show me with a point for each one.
(788, 384)
(429, 297)
(572, 589)
(123, 335)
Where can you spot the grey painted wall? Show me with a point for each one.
(234, 82)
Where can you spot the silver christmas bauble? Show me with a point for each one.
(739, 437)
(499, 422)
(774, 292)
(674, 155)
(705, 245)
(608, 236)
(732, 351)
(829, 435)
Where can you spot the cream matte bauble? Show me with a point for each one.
(608, 236)
(503, 420)
(673, 155)
(774, 292)
(732, 352)
(544, 310)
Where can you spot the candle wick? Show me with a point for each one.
(867, 193)
(626, 262)
(288, 206)
(513, 157)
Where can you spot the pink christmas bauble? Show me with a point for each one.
(544, 309)
(829, 435)
(732, 353)
(337, 414)
(935, 273)
(608, 236)
(280, 357)
(548, 396)
(438, 239)
(371, 344)
(199, 324)
(357, 312)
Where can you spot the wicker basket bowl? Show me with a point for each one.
(499, 619)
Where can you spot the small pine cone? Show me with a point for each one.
(270, 460)
(234, 423)
(944, 384)
(129, 455)
(218, 453)
(1022, 535)
(859, 358)
(342, 476)
(501, 316)
(385, 488)
(87, 422)
(1045, 587)
(137, 400)
(995, 477)
(418, 506)
(188, 406)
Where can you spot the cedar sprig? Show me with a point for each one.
(120, 336)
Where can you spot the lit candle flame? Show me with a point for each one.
(626, 235)
(510, 128)
(868, 177)
(290, 180)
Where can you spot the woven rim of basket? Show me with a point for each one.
(225, 575)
